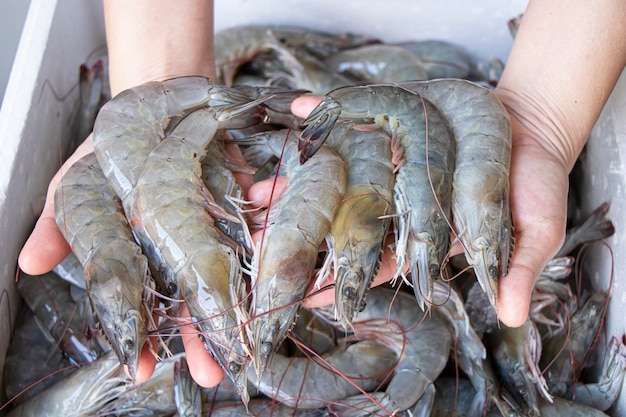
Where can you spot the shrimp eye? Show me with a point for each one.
(433, 269)
(234, 367)
(267, 348)
(172, 288)
(129, 345)
(349, 293)
(493, 271)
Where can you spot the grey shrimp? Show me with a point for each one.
(359, 228)
(426, 164)
(480, 188)
(171, 205)
(421, 340)
(90, 217)
(284, 260)
(131, 124)
(307, 382)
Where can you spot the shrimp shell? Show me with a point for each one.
(131, 124)
(359, 227)
(283, 262)
(304, 382)
(90, 217)
(171, 205)
(426, 157)
(480, 189)
(422, 342)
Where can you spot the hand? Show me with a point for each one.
(46, 247)
(539, 185)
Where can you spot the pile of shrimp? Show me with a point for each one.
(393, 158)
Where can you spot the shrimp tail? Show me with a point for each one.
(317, 127)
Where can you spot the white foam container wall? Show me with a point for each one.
(59, 35)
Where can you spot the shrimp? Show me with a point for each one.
(516, 353)
(74, 397)
(238, 45)
(422, 342)
(423, 192)
(360, 225)
(50, 298)
(603, 393)
(563, 354)
(131, 124)
(382, 63)
(594, 227)
(285, 258)
(441, 59)
(171, 206)
(33, 360)
(480, 187)
(424, 153)
(222, 185)
(307, 382)
(168, 390)
(90, 217)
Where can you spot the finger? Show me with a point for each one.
(147, 363)
(203, 368)
(244, 180)
(46, 246)
(261, 193)
(304, 105)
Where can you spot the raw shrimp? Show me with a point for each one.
(238, 45)
(603, 393)
(168, 390)
(284, 259)
(33, 360)
(90, 217)
(171, 206)
(423, 192)
(516, 353)
(65, 321)
(379, 63)
(470, 353)
(594, 227)
(309, 382)
(421, 340)
(441, 59)
(360, 225)
(564, 353)
(131, 124)
(480, 189)
(82, 394)
(426, 162)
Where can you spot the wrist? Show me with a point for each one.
(153, 40)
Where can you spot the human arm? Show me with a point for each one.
(565, 61)
(147, 40)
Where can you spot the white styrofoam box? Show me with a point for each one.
(59, 35)
(604, 179)
(11, 23)
(35, 125)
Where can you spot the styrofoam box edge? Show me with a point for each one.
(59, 35)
